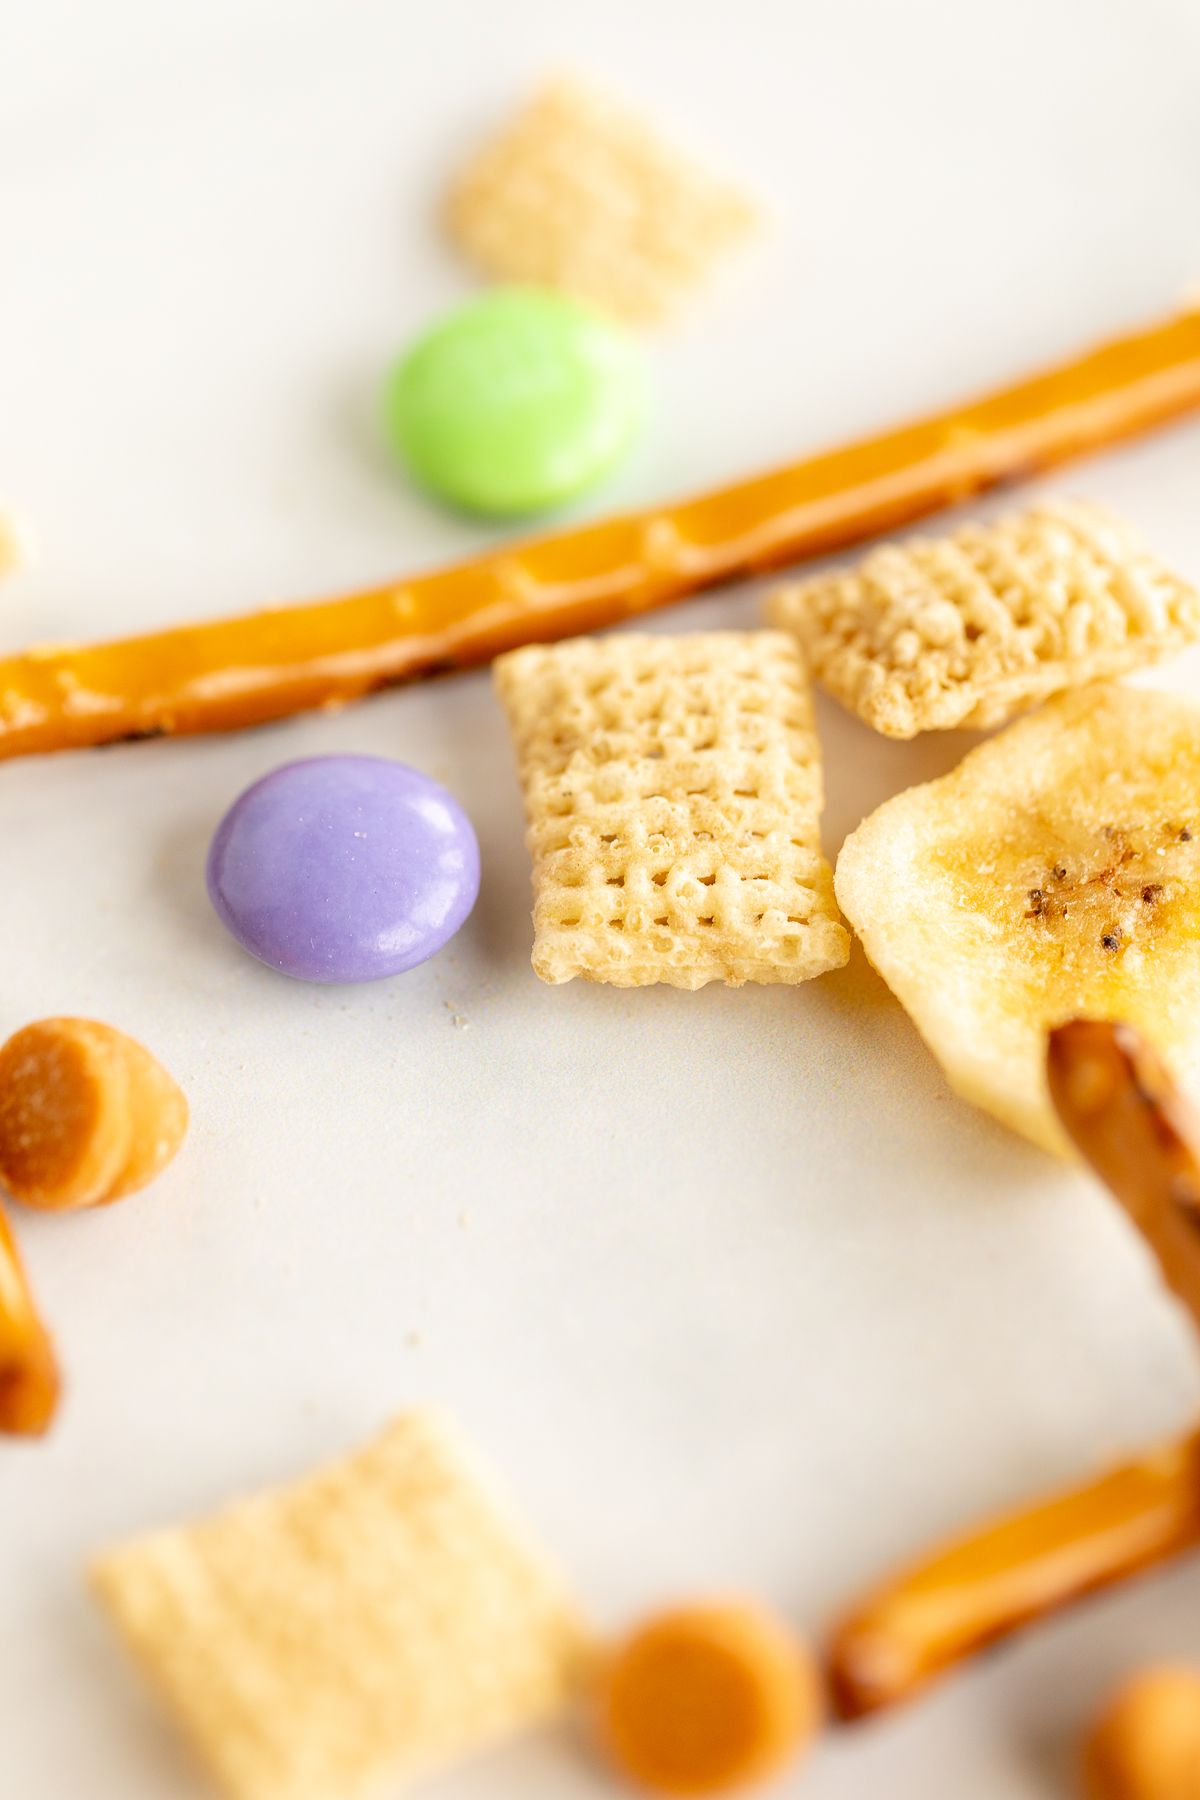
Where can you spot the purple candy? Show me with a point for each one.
(344, 868)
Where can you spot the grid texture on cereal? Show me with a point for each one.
(673, 796)
(377, 1618)
(576, 193)
(965, 630)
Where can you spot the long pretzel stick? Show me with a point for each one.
(988, 1585)
(28, 1374)
(244, 671)
(1135, 1128)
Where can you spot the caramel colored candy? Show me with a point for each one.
(1146, 1743)
(706, 1699)
(86, 1115)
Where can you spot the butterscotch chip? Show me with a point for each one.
(1054, 874)
(1146, 1743)
(576, 193)
(673, 795)
(379, 1617)
(64, 1113)
(87, 1115)
(969, 629)
(707, 1699)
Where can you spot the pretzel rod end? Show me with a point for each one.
(29, 1380)
(869, 1669)
(1132, 1125)
(1097, 1068)
(29, 1395)
(981, 1589)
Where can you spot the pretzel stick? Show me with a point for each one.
(28, 1375)
(1125, 1115)
(244, 671)
(1127, 1118)
(985, 1587)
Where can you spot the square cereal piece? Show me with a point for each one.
(673, 793)
(1054, 874)
(380, 1616)
(577, 194)
(967, 630)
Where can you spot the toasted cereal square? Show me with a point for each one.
(673, 795)
(575, 193)
(379, 1617)
(1054, 874)
(966, 630)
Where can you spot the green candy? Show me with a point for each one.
(518, 401)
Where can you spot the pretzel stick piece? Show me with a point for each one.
(244, 671)
(1130, 1122)
(1118, 1103)
(28, 1375)
(986, 1586)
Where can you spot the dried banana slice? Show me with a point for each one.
(1054, 874)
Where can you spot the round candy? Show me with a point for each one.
(519, 400)
(344, 868)
(707, 1698)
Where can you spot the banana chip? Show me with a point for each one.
(1054, 874)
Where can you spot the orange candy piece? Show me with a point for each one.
(1146, 1743)
(86, 1115)
(708, 1698)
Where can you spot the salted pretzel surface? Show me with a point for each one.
(230, 673)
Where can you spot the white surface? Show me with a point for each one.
(728, 1285)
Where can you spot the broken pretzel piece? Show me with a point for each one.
(1032, 1563)
(29, 1384)
(1127, 1118)
(1119, 1105)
